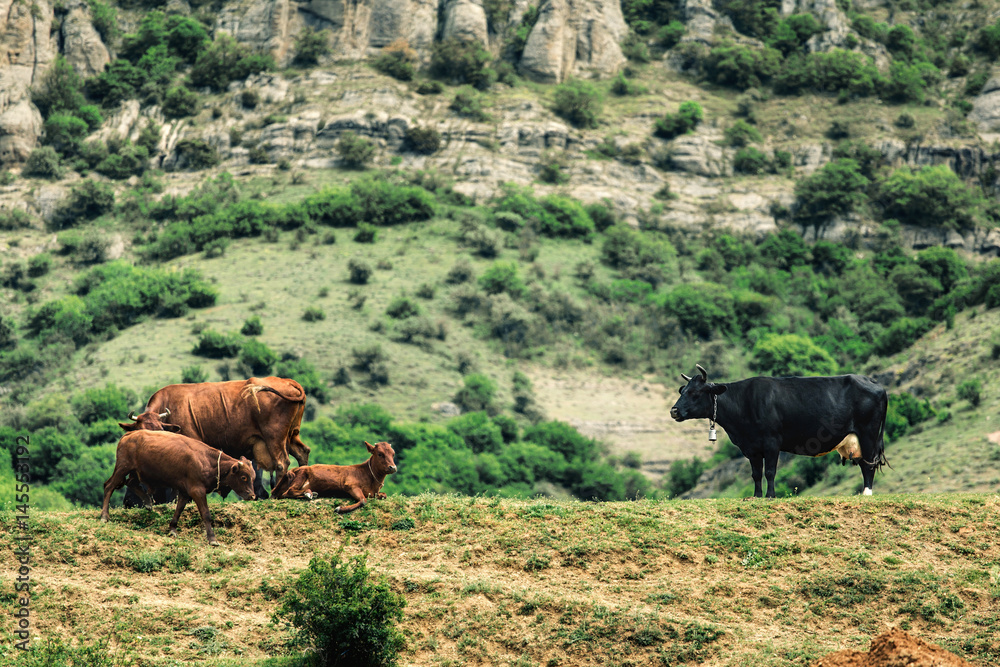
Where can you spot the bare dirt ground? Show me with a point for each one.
(629, 415)
(895, 648)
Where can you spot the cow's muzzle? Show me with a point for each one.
(675, 414)
(392, 469)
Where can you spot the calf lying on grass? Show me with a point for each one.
(358, 482)
(190, 467)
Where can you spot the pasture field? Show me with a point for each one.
(539, 582)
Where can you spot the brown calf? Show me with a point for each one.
(190, 467)
(358, 482)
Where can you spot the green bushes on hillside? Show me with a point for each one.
(346, 615)
(688, 116)
(115, 296)
(205, 218)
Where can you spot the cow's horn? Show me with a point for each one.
(704, 373)
(164, 415)
(687, 378)
(131, 415)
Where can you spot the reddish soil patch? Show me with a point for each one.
(895, 649)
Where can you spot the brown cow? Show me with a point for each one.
(192, 468)
(258, 418)
(358, 482)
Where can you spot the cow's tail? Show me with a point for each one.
(293, 392)
(880, 459)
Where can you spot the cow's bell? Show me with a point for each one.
(712, 437)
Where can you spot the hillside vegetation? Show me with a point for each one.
(516, 582)
(763, 193)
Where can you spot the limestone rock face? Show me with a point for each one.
(25, 54)
(81, 43)
(700, 155)
(360, 28)
(269, 26)
(986, 107)
(466, 20)
(574, 36)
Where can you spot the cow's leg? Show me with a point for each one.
(206, 517)
(137, 489)
(258, 483)
(114, 483)
(868, 472)
(182, 500)
(358, 495)
(770, 469)
(297, 489)
(757, 472)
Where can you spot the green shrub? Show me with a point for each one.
(684, 476)
(346, 618)
(14, 218)
(397, 60)
(257, 357)
(502, 277)
(86, 201)
(359, 271)
(550, 168)
(988, 40)
(784, 250)
(193, 375)
(688, 116)
(702, 308)
(310, 46)
(836, 189)
(901, 334)
(623, 86)
(252, 326)
(93, 153)
(366, 233)
(430, 88)
(462, 62)
(313, 314)
(196, 154)
(741, 133)
(930, 197)
(215, 345)
(469, 104)
(225, 60)
(130, 160)
(39, 265)
(478, 431)
(791, 354)
(792, 32)
(60, 90)
(423, 140)
(402, 307)
(354, 150)
(670, 35)
(742, 67)
(971, 390)
(65, 133)
(835, 71)
(43, 162)
(180, 102)
(907, 82)
(563, 439)
(579, 102)
(749, 160)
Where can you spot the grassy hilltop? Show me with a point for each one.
(544, 582)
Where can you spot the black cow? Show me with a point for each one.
(811, 416)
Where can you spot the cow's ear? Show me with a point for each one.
(129, 427)
(719, 389)
(371, 447)
(173, 428)
(235, 468)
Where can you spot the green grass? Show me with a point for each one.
(608, 583)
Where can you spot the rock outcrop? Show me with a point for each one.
(81, 44)
(573, 37)
(985, 112)
(26, 53)
(895, 648)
